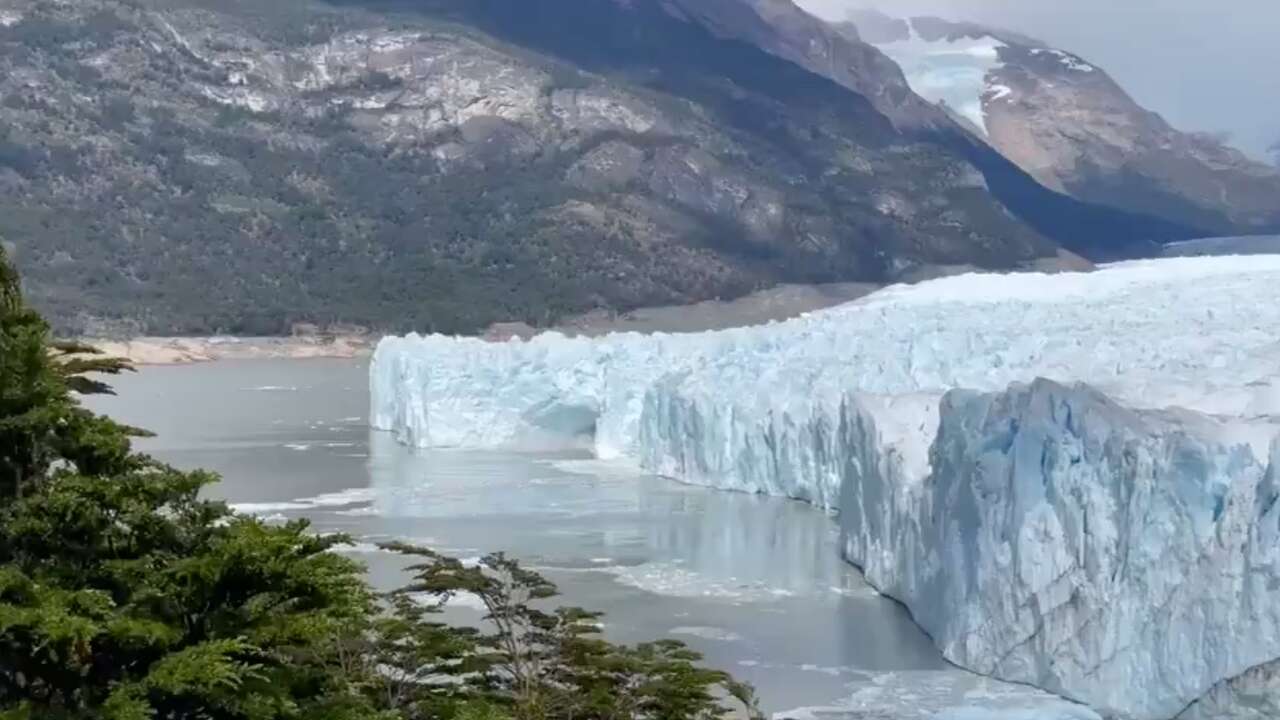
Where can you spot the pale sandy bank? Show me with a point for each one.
(173, 351)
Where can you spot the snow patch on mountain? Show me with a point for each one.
(1070, 61)
(997, 92)
(951, 71)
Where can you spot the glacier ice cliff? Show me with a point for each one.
(1127, 559)
(1115, 543)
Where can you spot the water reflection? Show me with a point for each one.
(576, 514)
(754, 583)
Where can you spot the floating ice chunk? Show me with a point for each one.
(672, 580)
(358, 548)
(708, 633)
(943, 695)
(344, 498)
(268, 510)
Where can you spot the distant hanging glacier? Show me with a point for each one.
(1118, 543)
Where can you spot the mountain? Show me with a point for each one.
(210, 166)
(783, 29)
(1071, 126)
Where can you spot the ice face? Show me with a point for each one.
(463, 392)
(1078, 539)
(1126, 559)
(1152, 333)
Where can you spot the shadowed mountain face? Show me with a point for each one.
(192, 166)
(1067, 123)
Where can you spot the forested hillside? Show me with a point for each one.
(198, 167)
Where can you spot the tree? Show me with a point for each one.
(40, 421)
(416, 666)
(124, 595)
(549, 664)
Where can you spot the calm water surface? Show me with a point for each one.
(755, 583)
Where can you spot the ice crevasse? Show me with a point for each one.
(1070, 480)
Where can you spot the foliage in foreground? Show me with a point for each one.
(126, 596)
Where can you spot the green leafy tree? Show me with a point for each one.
(40, 420)
(549, 664)
(125, 595)
(416, 665)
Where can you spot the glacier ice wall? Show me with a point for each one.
(1127, 559)
(1081, 540)
(1197, 332)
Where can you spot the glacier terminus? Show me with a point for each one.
(1069, 480)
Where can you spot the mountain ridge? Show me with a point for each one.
(1071, 126)
(198, 167)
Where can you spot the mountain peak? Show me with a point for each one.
(1067, 122)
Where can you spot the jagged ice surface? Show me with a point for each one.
(1075, 538)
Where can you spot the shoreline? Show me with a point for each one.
(145, 351)
(778, 303)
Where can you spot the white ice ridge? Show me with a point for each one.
(1047, 534)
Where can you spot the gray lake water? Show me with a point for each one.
(754, 583)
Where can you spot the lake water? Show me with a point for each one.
(754, 583)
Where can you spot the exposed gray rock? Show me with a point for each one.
(239, 166)
(612, 165)
(695, 179)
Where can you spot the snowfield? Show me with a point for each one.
(1117, 542)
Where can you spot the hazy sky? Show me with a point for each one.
(1204, 64)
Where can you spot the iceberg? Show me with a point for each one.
(1067, 479)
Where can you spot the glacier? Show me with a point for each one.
(1069, 480)
(955, 71)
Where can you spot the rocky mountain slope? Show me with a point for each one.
(192, 166)
(1069, 124)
